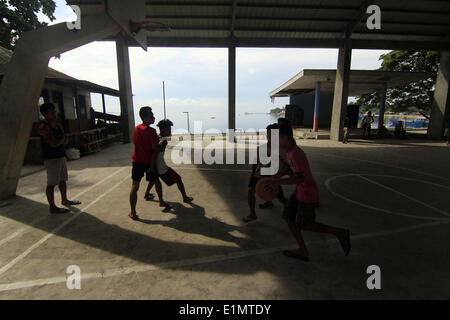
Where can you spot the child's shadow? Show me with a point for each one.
(192, 219)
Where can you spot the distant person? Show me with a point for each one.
(447, 128)
(346, 124)
(163, 171)
(367, 123)
(399, 130)
(53, 141)
(145, 141)
(256, 176)
(299, 212)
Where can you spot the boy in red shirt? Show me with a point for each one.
(145, 142)
(299, 212)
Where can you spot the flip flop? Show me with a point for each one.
(188, 200)
(72, 203)
(150, 197)
(290, 254)
(167, 208)
(346, 244)
(265, 205)
(249, 218)
(133, 216)
(59, 211)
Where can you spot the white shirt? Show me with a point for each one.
(161, 165)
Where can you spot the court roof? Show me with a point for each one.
(407, 24)
(361, 81)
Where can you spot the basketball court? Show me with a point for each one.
(393, 197)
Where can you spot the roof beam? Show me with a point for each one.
(233, 17)
(358, 17)
(293, 43)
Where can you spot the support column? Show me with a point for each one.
(316, 107)
(232, 91)
(341, 91)
(382, 104)
(441, 99)
(104, 107)
(19, 94)
(126, 94)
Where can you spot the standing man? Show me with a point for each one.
(367, 123)
(53, 141)
(447, 128)
(145, 141)
(346, 125)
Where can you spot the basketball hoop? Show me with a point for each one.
(148, 25)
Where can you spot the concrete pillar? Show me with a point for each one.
(126, 94)
(316, 108)
(104, 107)
(19, 94)
(382, 104)
(232, 91)
(341, 91)
(441, 99)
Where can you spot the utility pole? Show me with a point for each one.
(164, 99)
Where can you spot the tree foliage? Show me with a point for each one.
(415, 96)
(18, 16)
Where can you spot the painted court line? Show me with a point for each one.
(20, 257)
(361, 204)
(34, 222)
(390, 166)
(406, 196)
(202, 260)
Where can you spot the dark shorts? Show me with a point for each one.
(302, 213)
(254, 180)
(170, 177)
(139, 170)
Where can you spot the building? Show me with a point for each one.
(72, 97)
(311, 92)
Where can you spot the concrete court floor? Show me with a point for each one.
(395, 198)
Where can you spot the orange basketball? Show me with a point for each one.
(266, 189)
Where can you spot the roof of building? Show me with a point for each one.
(405, 24)
(361, 81)
(57, 77)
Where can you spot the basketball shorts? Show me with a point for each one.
(302, 213)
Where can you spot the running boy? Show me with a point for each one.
(167, 174)
(299, 212)
(256, 176)
(145, 142)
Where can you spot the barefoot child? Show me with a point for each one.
(256, 176)
(299, 212)
(145, 141)
(167, 174)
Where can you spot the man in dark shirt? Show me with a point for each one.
(53, 141)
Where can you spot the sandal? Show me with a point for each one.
(293, 254)
(133, 216)
(71, 203)
(249, 218)
(188, 200)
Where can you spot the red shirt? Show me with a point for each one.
(144, 138)
(307, 191)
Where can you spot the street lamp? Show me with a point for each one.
(187, 114)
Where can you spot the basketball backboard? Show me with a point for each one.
(126, 12)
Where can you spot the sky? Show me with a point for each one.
(196, 78)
